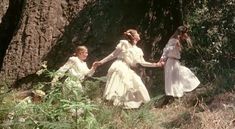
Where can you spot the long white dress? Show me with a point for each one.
(76, 70)
(178, 78)
(124, 87)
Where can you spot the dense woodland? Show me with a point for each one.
(37, 37)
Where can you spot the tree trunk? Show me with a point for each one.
(50, 29)
(42, 22)
(11, 12)
(4, 4)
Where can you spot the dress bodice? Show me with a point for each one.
(172, 49)
(131, 54)
(76, 68)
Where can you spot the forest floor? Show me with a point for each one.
(195, 110)
(192, 112)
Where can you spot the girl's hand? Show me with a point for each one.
(160, 63)
(96, 64)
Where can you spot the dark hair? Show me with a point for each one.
(129, 34)
(183, 29)
(180, 30)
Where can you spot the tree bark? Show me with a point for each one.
(41, 24)
(50, 29)
(10, 18)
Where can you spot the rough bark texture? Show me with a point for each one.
(3, 8)
(9, 23)
(42, 23)
(49, 30)
(4, 4)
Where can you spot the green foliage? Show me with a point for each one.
(57, 111)
(212, 30)
(94, 87)
(138, 118)
(115, 118)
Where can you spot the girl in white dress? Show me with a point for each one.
(178, 78)
(124, 87)
(76, 69)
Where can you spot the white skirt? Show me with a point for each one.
(178, 78)
(124, 87)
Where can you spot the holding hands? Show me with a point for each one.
(96, 64)
(160, 63)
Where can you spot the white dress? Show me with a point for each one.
(178, 78)
(76, 70)
(124, 87)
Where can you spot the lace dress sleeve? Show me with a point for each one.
(142, 61)
(89, 72)
(172, 43)
(61, 71)
(122, 45)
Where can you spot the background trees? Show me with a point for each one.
(35, 31)
(32, 32)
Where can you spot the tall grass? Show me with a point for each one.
(87, 110)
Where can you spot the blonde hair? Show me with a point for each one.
(79, 49)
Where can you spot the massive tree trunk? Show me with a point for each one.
(41, 24)
(10, 15)
(50, 29)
